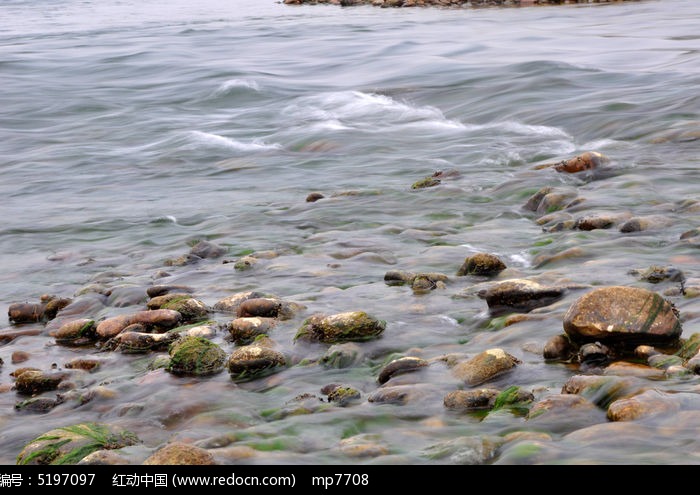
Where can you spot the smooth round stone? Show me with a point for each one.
(485, 366)
(179, 453)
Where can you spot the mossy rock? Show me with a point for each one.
(71, 444)
(341, 327)
(190, 308)
(195, 356)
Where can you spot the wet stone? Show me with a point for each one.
(18, 357)
(155, 320)
(103, 458)
(650, 403)
(399, 395)
(33, 381)
(341, 327)
(585, 161)
(594, 354)
(559, 347)
(129, 342)
(252, 361)
(639, 224)
(267, 307)
(664, 361)
(161, 290)
(342, 355)
(179, 453)
(481, 264)
(231, 303)
(206, 249)
(190, 309)
(519, 295)
(622, 315)
(601, 389)
(400, 366)
(38, 405)
(657, 274)
(85, 364)
(344, 395)
(76, 332)
(399, 277)
(26, 312)
(485, 366)
(471, 400)
(690, 346)
(195, 356)
(313, 197)
(244, 330)
(70, 444)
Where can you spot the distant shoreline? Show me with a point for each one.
(450, 3)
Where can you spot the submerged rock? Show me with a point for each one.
(155, 320)
(485, 366)
(231, 303)
(179, 453)
(639, 224)
(26, 312)
(76, 332)
(195, 356)
(138, 342)
(34, 381)
(254, 360)
(268, 307)
(481, 264)
(341, 327)
(342, 355)
(245, 330)
(585, 161)
(37, 405)
(206, 249)
(519, 295)
(399, 366)
(620, 314)
(471, 400)
(647, 404)
(559, 347)
(190, 308)
(343, 395)
(69, 445)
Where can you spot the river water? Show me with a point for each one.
(131, 130)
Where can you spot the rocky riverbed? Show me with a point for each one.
(621, 345)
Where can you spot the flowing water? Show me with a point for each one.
(130, 130)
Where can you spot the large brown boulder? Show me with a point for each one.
(627, 315)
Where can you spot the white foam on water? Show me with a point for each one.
(358, 109)
(204, 138)
(227, 86)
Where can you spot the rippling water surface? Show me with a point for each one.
(131, 130)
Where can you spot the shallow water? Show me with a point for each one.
(130, 130)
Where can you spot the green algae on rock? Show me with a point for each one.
(341, 327)
(195, 356)
(190, 308)
(481, 264)
(70, 444)
(34, 381)
(254, 360)
(75, 332)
